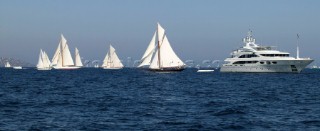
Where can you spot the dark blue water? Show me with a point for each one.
(132, 99)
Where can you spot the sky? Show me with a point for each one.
(197, 29)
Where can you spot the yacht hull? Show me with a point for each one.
(205, 70)
(286, 66)
(17, 67)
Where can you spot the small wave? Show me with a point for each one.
(172, 123)
(229, 111)
(312, 123)
(234, 127)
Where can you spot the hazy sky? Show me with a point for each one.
(196, 29)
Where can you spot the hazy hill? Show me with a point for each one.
(14, 62)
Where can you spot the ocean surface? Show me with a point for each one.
(133, 99)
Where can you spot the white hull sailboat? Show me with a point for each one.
(7, 65)
(62, 58)
(112, 61)
(159, 55)
(44, 61)
(17, 67)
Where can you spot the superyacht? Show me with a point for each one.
(255, 58)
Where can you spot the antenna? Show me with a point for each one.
(297, 46)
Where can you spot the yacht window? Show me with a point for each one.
(248, 56)
(274, 62)
(261, 62)
(245, 62)
(275, 55)
(268, 62)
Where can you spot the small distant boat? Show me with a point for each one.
(315, 67)
(7, 65)
(17, 67)
(44, 61)
(159, 55)
(111, 61)
(205, 70)
(62, 58)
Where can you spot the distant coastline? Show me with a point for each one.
(14, 62)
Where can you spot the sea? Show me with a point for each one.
(135, 99)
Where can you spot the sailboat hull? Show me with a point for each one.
(112, 68)
(66, 68)
(41, 69)
(168, 69)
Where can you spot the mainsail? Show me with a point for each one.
(160, 55)
(66, 55)
(111, 60)
(56, 55)
(46, 60)
(78, 58)
(62, 58)
(40, 61)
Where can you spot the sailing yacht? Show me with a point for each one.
(255, 58)
(159, 55)
(62, 58)
(44, 61)
(111, 61)
(7, 65)
(78, 61)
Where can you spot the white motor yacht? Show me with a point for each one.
(255, 58)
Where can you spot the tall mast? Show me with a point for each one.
(158, 49)
(109, 56)
(297, 46)
(61, 51)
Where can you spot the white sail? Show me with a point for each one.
(147, 56)
(164, 56)
(161, 34)
(7, 65)
(40, 60)
(115, 58)
(168, 56)
(59, 62)
(78, 58)
(105, 61)
(56, 55)
(66, 55)
(111, 60)
(154, 62)
(62, 58)
(46, 60)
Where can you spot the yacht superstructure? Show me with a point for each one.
(255, 58)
